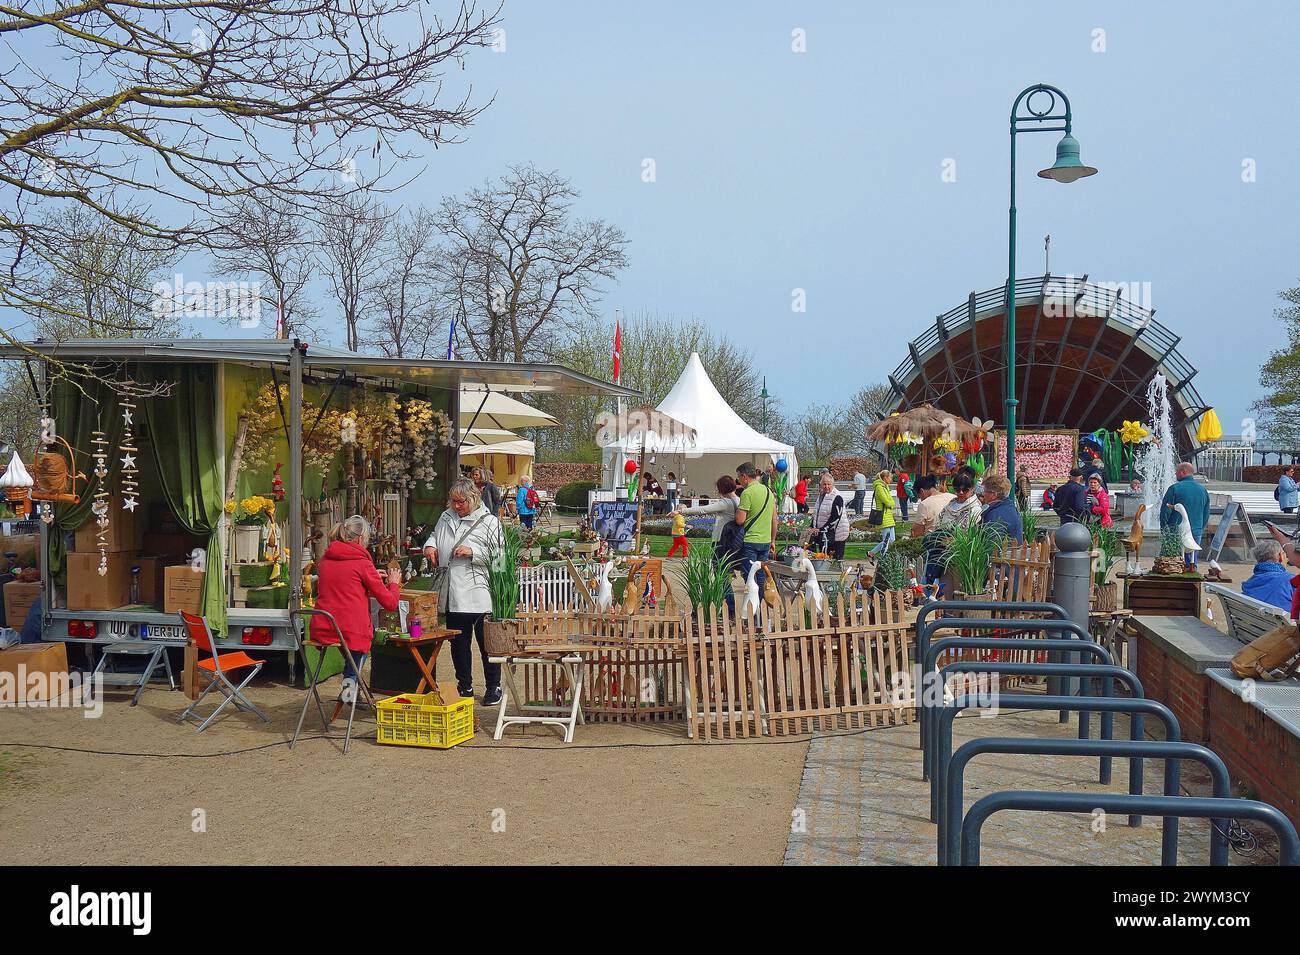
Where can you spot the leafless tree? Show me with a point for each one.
(405, 322)
(148, 115)
(268, 244)
(105, 283)
(823, 430)
(352, 230)
(868, 405)
(521, 269)
(654, 351)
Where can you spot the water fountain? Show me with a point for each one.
(1155, 460)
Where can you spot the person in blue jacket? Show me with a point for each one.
(1271, 582)
(1195, 500)
(999, 509)
(526, 502)
(1288, 492)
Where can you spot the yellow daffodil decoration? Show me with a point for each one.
(1132, 432)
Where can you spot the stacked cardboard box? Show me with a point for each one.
(182, 589)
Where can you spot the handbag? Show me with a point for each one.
(441, 584)
(732, 539)
(1276, 650)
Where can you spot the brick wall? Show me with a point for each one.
(1165, 679)
(551, 476)
(1257, 751)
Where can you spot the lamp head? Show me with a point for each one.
(1067, 167)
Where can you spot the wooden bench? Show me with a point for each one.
(1247, 617)
(1257, 502)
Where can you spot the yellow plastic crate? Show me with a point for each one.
(424, 721)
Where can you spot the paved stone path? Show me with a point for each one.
(863, 801)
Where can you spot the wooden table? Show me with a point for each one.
(435, 639)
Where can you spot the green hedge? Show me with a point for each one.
(574, 494)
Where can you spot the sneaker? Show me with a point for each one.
(348, 692)
(492, 697)
(466, 692)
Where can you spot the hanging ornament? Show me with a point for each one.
(130, 472)
(277, 485)
(99, 506)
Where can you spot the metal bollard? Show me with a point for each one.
(1071, 589)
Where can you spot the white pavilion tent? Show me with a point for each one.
(722, 440)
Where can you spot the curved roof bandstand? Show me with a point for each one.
(1084, 358)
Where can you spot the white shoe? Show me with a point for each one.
(348, 693)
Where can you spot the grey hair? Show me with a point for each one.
(1267, 552)
(354, 530)
(465, 488)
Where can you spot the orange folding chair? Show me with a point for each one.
(218, 666)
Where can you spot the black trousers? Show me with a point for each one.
(470, 626)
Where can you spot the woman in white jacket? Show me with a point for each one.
(463, 541)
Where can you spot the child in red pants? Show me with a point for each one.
(679, 536)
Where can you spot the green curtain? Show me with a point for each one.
(186, 450)
(77, 406)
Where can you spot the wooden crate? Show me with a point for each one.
(1152, 595)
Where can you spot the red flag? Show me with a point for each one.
(618, 348)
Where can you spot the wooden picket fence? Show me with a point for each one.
(632, 663)
(799, 670)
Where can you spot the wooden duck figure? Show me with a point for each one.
(604, 589)
(813, 598)
(770, 596)
(749, 606)
(1190, 544)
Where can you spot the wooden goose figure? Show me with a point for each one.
(1190, 544)
(604, 589)
(749, 606)
(812, 588)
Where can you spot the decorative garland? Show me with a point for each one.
(100, 505)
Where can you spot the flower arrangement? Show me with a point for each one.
(252, 511)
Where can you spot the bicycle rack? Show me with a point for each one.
(1000, 643)
(1024, 606)
(948, 713)
(1199, 807)
(1136, 750)
(925, 648)
(1062, 669)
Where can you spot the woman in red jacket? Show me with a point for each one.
(1099, 501)
(348, 579)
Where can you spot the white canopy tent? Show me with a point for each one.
(722, 439)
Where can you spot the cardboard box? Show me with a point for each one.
(122, 533)
(182, 589)
(49, 660)
(151, 577)
(18, 599)
(87, 590)
(171, 545)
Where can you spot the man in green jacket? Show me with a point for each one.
(1195, 500)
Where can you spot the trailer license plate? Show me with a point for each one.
(165, 631)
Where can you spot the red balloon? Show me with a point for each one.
(629, 467)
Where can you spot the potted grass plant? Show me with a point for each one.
(501, 628)
(1106, 546)
(708, 580)
(968, 555)
(1029, 520)
(1170, 560)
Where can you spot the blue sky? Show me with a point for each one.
(821, 170)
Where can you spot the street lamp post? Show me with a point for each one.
(1067, 168)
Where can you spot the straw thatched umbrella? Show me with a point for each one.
(639, 425)
(927, 423)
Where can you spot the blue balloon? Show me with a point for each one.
(782, 464)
